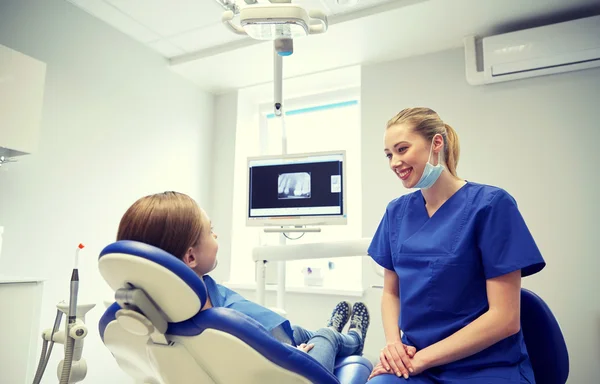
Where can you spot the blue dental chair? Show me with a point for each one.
(158, 335)
(544, 340)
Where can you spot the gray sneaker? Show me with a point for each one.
(340, 316)
(360, 320)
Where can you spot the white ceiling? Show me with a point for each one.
(201, 48)
(177, 27)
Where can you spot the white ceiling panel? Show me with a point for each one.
(314, 4)
(338, 9)
(166, 48)
(171, 17)
(117, 19)
(394, 34)
(204, 38)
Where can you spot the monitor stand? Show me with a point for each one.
(261, 266)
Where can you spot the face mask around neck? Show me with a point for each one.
(431, 172)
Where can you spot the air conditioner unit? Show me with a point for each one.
(556, 48)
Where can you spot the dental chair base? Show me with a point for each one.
(157, 333)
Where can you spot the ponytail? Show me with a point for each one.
(452, 150)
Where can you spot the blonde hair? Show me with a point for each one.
(427, 123)
(171, 221)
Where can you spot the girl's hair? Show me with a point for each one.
(427, 123)
(171, 221)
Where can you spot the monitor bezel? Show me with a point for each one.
(298, 221)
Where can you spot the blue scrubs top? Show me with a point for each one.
(442, 264)
(277, 325)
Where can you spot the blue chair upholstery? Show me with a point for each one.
(544, 340)
(352, 370)
(134, 262)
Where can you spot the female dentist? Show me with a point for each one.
(454, 253)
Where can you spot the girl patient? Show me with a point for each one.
(173, 222)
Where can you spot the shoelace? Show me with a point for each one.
(358, 321)
(337, 319)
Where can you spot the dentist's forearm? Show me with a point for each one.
(486, 330)
(390, 306)
(390, 312)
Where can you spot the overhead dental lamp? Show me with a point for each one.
(276, 20)
(279, 21)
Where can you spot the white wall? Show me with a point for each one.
(226, 107)
(117, 125)
(537, 139)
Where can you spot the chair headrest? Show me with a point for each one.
(174, 287)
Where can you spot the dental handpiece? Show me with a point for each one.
(74, 287)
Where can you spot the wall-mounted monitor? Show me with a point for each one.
(297, 189)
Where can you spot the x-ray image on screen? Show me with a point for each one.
(296, 190)
(293, 186)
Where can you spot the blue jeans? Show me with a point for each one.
(328, 344)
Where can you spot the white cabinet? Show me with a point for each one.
(20, 332)
(22, 81)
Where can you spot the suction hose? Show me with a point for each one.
(39, 372)
(45, 357)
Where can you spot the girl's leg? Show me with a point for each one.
(393, 379)
(330, 344)
(301, 335)
(339, 317)
(327, 344)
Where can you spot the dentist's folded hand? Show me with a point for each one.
(396, 359)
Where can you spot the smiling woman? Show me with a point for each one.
(446, 239)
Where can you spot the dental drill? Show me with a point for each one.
(72, 368)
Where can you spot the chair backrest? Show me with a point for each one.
(158, 334)
(544, 340)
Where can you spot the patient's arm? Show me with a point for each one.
(207, 305)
